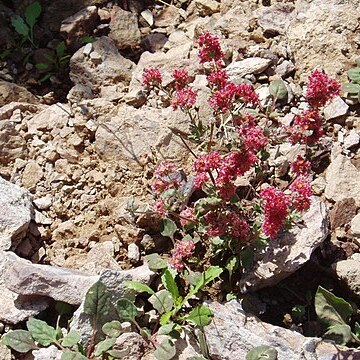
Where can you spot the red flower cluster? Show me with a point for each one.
(203, 164)
(184, 99)
(151, 78)
(181, 79)
(187, 216)
(209, 48)
(164, 178)
(320, 89)
(300, 166)
(301, 193)
(306, 127)
(182, 250)
(224, 98)
(276, 210)
(252, 136)
(218, 79)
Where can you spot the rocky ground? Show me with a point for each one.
(76, 150)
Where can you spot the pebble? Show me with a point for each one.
(133, 253)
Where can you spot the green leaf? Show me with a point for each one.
(330, 309)
(340, 333)
(278, 90)
(357, 329)
(169, 228)
(104, 345)
(97, 300)
(112, 328)
(166, 350)
(41, 332)
(71, 339)
(63, 308)
(87, 39)
(19, 340)
(126, 309)
(32, 13)
(201, 316)
(207, 276)
(119, 354)
(350, 88)
(60, 49)
(139, 287)
(46, 77)
(156, 262)
(72, 355)
(19, 25)
(168, 328)
(231, 265)
(354, 74)
(165, 318)
(204, 205)
(170, 284)
(263, 352)
(42, 66)
(162, 301)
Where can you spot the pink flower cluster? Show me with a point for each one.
(151, 78)
(182, 250)
(187, 216)
(210, 49)
(276, 210)
(320, 89)
(181, 79)
(300, 166)
(184, 99)
(164, 178)
(301, 193)
(251, 136)
(217, 79)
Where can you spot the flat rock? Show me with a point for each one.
(349, 271)
(342, 213)
(207, 7)
(48, 353)
(337, 107)
(110, 69)
(232, 334)
(31, 175)
(60, 284)
(352, 139)
(11, 92)
(287, 253)
(253, 65)
(342, 180)
(15, 214)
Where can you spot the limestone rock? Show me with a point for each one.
(232, 334)
(124, 29)
(337, 107)
(349, 271)
(355, 225)
(135, 344)
(352, 139)
(15, 214)
(112, 69)
(287, 253)
(342, 213)
(254, 65)
(207, 7)
(48, 353)
(5, 352)
(342, 180)
(11, 92)
(32, 175)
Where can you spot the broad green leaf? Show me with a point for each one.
(354, 74)
(340, 333)
(278, 89)
(166, 350)
(126, 309)
(19, 25)
(119, 354)
(201, 316)
(72, 355)
(41, 332)
(71, 339)
(139, 287)
(169, 228)
(207, 276)
(32, 13)
(162, 301)
(350, 88)
(165, 318)
(156, 262)
(262, 353)
(169, 328)
(112, 328)
(97, 300)
(42, 66)
(330, 309)
(63, 308)
(104, 345)
(60, 49)
(19, 340)
(170, 284)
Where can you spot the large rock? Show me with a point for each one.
(349, 271)
(15, 214)
(100, 66)
(232, 334)
(11, 92)
(287, 253)
(124, 29)
(323, 33)
(15, 308)
(134, 132)
(239, 69)
(342, 180)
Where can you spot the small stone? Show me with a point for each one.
(31, 176)
(349, 271)
(253, 65)
(126, 326)
(342, 212)
(352, 139)
(336, 108)
(148, 16)
(95, 57)
(207, 7)
(355, 225)
(48, 353)
(87, 49)
(285, 68)
(133, 253)
(43, 203)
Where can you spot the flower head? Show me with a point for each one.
(300, 166)
(182, 250)
(181, 78)
(184, 99)
(164, 178)
(151, 78)
(210, 49)
(301, 193)
(218, 79)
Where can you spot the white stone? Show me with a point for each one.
(133, 253)
(148, 17)
(355, 225)
(253, 65)
(336, 107)
(43, 203)
(352, 139)
(87, 49)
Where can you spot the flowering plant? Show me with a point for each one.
(236, 203)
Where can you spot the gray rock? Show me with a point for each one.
(5, 352)
(253, 65)
(133, 345)
(133, 253)
(287, 253)
(148, 17)
(352, 139)
(275, 19)
(48, 353)
(342, 180)
(25, 278)
(336, 108)
(232, 334)
(207, 7)
(43, 203)
(15, 214)
(285, 68)
(349, 271)
(355, 225)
